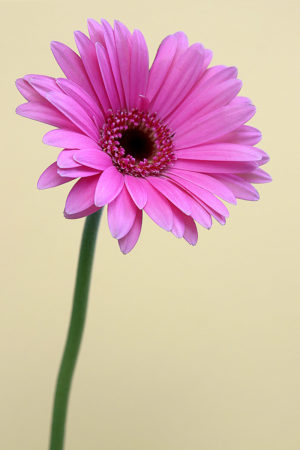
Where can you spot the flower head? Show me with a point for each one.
(170, 141)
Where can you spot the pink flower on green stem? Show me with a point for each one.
(170, 141)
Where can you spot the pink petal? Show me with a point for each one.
(244, 135)
(214, 166)
(27, 91)
(190, 231)
(206, 182)
(204, 195)
(50, 178)
(88, 55)
(240, 188)
(181, 79)
(127, 242)
(178, 222)
(77, 172)
(219, 217)
(42, 84)
(205, 90)
(214, 124)
(200, 213)
(182, 43)
(109, 186)
(110, 45)
(168, 52)
(65, 159)
(256, 176)
(208, 54)
(83, 99)
(96, 159)
(137, 189)
(172, 193)
(121, 213)
(158, 208)
(161, 65)
(72, 66)
(83, 213)
(139, 68)
(216, 75)
(107, 76)
(81, 196)
(264, 157)
(143, 103)
(43, 112)
(95, 31)
(222, 95)
(68, 139)
(71, 109)
(123, 52)
(215, 98)
(220, 152)
(241, 101)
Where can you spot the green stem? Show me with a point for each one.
(76, 326)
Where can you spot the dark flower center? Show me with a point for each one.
(137, 143)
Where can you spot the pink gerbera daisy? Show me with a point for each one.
(170, 141)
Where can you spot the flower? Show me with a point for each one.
(170, 141)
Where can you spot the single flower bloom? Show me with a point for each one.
(170, 141)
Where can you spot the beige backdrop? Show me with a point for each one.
(185, 348)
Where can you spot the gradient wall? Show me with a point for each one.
(185, 348)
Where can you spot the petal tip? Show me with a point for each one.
(55, 45)
(268, 178)
(45, 137)
(18, 82)
(39, 186)
(66, 215)
(17, 110)
(21, 109)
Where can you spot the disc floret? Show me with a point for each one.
(138, 143)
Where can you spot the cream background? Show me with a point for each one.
(185, 348)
